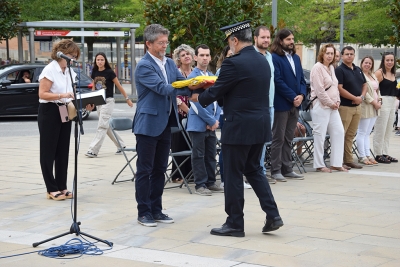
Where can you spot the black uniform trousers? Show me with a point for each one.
(239, 160)
(54, 146)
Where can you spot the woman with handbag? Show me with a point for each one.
(369, 112)
(384, 123)
(104, 78)
(55, 92)
(324, 112)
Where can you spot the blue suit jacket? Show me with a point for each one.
(155, 96)
(287, 84)
(199, 117)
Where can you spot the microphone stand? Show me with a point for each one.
(75, 229)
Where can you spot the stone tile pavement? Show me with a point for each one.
(337, 219)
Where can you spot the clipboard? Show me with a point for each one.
(96, 97)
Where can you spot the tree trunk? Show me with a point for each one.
(8, 50)
(317, 48)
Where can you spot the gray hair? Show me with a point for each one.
(178, 50)
(243, 35)
(153, 31)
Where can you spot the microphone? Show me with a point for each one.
(61, 55)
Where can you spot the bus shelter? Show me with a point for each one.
(81, 25)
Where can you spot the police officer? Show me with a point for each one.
(243, 85)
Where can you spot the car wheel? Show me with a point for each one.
(85, 113)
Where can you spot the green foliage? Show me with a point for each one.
(195, 22)
(394, 16)
(10, 17)
(38, 10)
(367, 22)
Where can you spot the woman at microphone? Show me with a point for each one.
(55, 92)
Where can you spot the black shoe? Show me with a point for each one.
(162, 218)
(147, 220)
(225, 230)
(272, 224)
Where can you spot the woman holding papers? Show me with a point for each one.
(104, 78)
(55, 91)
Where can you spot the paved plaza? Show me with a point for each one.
(337, 219)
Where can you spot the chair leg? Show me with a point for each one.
(126, 165)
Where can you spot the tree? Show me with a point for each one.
(394, 15)
(318, 21)
(196, 22)
(10, 18)
(367, 22)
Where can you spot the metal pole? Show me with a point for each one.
(119, 67)
(133, 63)
(82, 38)
(20, 48)
(341, 24)
(275, 13)
(31, 45)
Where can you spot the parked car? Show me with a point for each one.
(18, 98)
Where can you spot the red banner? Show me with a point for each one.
(51, 33)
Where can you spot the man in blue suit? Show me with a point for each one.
(156, 112)
(290, 89)
(202, 123)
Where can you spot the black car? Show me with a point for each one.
(18, 98)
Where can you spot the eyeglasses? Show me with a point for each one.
(388, 53)
(163, 43)
(73, 56)
(348, 54)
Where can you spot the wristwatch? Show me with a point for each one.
(127, 98)
(362, 97)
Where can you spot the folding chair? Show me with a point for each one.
(187, 154)
(123, 124)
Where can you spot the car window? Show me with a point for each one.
(12, 76)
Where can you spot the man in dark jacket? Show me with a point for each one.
(290, 89)
(243, 85)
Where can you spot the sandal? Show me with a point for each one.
(372, 160)
(177, 180)
(391, 159)
(382, 159)
(67, 194)
(340, 169)
(365, 161)
(324, 169)
(57, 196)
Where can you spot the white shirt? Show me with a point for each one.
(61, 81)
(291, 61)
(161, 64)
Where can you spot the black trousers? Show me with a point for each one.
(54, 147)
(178, 143)
(151, 165)
(239, 160)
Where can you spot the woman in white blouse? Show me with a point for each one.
(324, 112)
(55, 92)
(369, 112)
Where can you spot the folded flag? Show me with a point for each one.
(194, 81)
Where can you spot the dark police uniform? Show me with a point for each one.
(243, 84)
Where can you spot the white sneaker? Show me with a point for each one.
(221, 185)
(246, 185)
